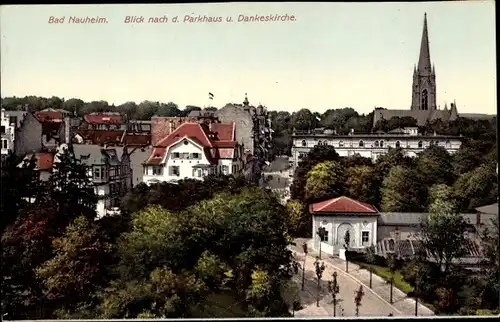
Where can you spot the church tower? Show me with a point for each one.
(424, 77)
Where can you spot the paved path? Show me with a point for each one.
(375, 301)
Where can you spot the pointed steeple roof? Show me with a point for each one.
(424, 60)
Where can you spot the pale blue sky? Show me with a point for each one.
(334, 55)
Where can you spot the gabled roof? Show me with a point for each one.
(343, 205)
(193, 131)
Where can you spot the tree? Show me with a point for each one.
(391, 263)
(26, 244)
(359, 182)
(305, 250)
(477, 187)
(19, 184)
(325, 180)
(318, 154)
(442, 199)
(443, 236)
(358, 298)
(347, 242)
(170, 109)
(402, 191)
(435, 166)
(320, 268)
(73, 105)
(74, 273)
(304, 120)
(370, 258)
(71, 188)
(333, 289)
(322, 233)
(489, 292)
(259, 291)
(297, 218)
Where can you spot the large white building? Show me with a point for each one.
(7, 133)
(194, 151)
(371, 145)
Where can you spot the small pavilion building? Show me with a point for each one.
(342, 214)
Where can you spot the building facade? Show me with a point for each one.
(110, 172)
(194, 151)
(371, 145)
(7, 134)
(341, 215)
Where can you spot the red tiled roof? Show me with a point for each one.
(42, 116)
(101, 118)
(211, 144)
(191, 130)
(44, 160)
(156, 156)
(343, 205)
(223, 131)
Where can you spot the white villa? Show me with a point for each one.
(193, 151)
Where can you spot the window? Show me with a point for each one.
(376, 144)
(381, 144)
(97, 173)
(2, 129)
(185, 155)
(302, 155)
(195, 156)
(365, 238)
(398, 144)
(420, 144)
(225, 169)
(341, 143)
(174, 171)
(320, 143)
(4, 144)
(157, 170)
(425, 100)
(175, 155)
(186, 142)
(361, 144)
(304, 143)
(145, 168)
(448, 144)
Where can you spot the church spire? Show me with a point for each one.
(424, 60)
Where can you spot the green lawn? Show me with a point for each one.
(386, 275)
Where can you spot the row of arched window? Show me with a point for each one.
(381, 143)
